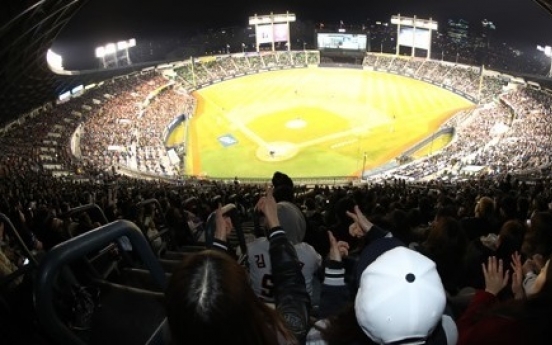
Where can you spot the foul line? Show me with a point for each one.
(245, 131)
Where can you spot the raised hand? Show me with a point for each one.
(361, 224)
(529, 266)
(338, 249)
(517, 276)
(495, 277)
(267, 205)
(223, 224)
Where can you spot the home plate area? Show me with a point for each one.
(281, 150)
(277, 151)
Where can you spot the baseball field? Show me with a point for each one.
(311, 122)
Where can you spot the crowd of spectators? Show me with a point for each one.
(508, 132)
(433, 218)
(122, 124)
(122, 121)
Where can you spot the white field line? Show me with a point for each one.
(245, 131)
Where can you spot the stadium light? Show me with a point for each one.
(115, 54)
(55, 61)
(547, 50)
(100, 52)
(122, 45)
(110, 48)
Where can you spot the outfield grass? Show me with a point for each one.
(318, 122)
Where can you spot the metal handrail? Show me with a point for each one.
(87, 207)
(20, 241)
(73, 249)
(157, 204)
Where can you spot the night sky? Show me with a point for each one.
(522, 22)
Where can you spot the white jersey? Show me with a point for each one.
(260, 268)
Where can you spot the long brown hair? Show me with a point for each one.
(209, 301)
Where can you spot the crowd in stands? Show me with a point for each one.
(454, 229)
(122, 121)
(489, 238)
(457, 226)
(495, 136)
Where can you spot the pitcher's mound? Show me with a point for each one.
(277, 151)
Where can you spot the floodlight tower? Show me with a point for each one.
(123, 57)
(548, 52)
(272, 28)
(115, 54)
(100, 54)
(414, 23)
(110, 57)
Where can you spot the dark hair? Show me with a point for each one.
(511, 238)
(209, 301)
(446, 244)
(310, 204)
(400, 226)
(343, 328)
(485, 207)
(538, 238)
(284, 193)
(508, 206)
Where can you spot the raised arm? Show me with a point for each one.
(290, 292)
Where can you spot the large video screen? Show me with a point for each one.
(267, 33)
(415, 37)
(341, 41)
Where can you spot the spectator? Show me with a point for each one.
(446, 245)
(502, 245)
(209, 298)
(400, 297)
(484, 221)
(523, 320)
(260, 266)
(316, 228)
(283, 187)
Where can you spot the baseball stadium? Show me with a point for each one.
(278, 183)
(312, 122)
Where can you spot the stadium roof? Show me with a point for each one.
(27, 30)
(545, 4)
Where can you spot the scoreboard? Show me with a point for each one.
(338, 41)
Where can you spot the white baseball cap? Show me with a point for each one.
(400, 296)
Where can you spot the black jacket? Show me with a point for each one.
(290, 292)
